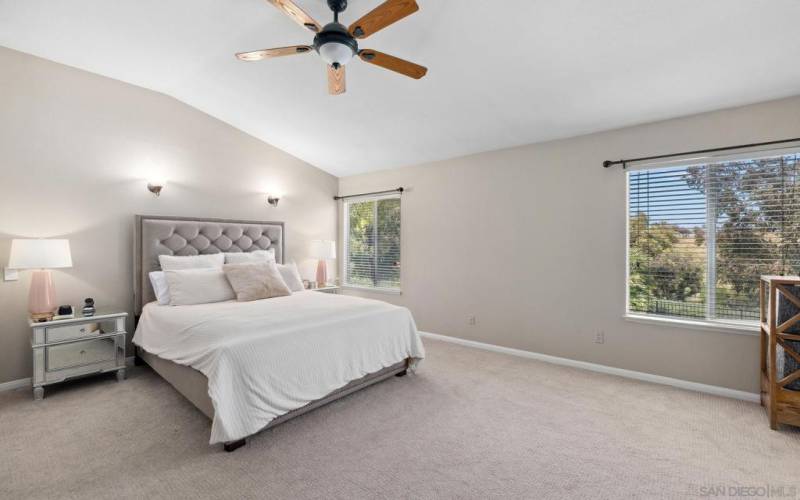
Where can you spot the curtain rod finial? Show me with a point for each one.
(607, 163)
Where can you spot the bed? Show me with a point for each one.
(249, 366)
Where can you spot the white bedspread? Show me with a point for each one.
(268, 357)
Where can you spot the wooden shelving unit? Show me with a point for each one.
(782, 404)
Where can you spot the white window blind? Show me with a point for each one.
(372, 243)
(699, 236)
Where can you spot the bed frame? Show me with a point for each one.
(159, 235)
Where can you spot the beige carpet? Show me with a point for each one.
(470, 424)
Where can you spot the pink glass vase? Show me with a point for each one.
(322, 273)
(42, 295)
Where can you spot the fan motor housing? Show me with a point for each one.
(335, 33)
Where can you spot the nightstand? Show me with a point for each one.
(328, 289)
(70, 348)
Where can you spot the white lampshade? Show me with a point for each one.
(39, 254)
(323, 249)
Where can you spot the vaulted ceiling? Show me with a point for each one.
(501, 72)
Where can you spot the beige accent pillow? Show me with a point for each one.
(256, 280)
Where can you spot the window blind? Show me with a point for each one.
(699, 236)
(372, 242)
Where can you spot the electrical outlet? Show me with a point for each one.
(600, 337)
(10, 274)
(471, 320)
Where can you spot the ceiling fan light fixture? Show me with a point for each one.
(335, 53)
(337, 44)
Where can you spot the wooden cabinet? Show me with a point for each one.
(780, 348)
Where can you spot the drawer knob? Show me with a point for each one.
(83, 351)
(83, 330)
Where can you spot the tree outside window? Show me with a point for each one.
(701, 235)
(373, 243)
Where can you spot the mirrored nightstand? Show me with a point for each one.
(328, 289)
(70, 348)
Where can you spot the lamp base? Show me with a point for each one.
(42, 296)
(322, 273)
(39, 317)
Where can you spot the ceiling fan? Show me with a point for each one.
(337, 44)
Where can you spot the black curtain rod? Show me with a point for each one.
(398, 190)
(624, 163)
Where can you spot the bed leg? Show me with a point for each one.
(234, 445)
(402, 373)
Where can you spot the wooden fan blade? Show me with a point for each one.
(389, 12)
(393, 63)
(258, 55)
(336, 80)
(299, 16)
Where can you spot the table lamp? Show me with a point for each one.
(41, 255)
(323, 250)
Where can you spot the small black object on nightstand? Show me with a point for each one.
(64, 312)
(88, 308)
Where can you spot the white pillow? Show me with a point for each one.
(177, 263)
(247, 257)
(160, 287)
(198, 286)
(291, 276)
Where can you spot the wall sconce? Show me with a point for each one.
(155, 186)
(272, 200)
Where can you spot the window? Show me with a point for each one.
(700, 235)
(372, 243)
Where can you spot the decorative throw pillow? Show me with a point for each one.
(160, 287)
(257, 256)
(291, 276)
(256, 280)
(198, 286)
(177, 262)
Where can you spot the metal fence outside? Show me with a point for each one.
(697, 310)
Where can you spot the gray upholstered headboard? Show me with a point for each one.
(157, 235)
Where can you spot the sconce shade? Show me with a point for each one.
(39, 254)
(323, 249)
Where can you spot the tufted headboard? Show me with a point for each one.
(157, 235)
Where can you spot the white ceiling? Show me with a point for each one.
(501, 72)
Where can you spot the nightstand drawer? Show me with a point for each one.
(59, 357)
(69, 332)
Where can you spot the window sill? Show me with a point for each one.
(386, 291)
(743, 328)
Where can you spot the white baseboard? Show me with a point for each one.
(15, 384)
(26, 382)
(620, 372)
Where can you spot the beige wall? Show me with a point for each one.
(75, 151)
(531, 241)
